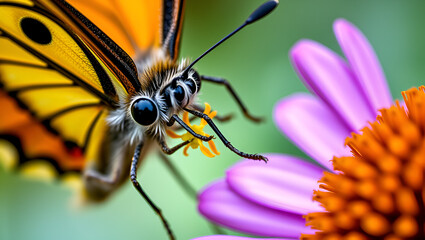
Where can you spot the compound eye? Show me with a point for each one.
(192, 86)
(179, 94)
(144, 111)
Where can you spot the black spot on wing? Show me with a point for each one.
(108, 96)
(36, 31)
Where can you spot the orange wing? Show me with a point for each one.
(137, 25)
(33, 141)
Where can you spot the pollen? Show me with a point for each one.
(379, 191)
(195, 142)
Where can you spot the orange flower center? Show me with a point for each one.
(379, 192)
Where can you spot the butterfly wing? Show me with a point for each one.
(59, 79)
(138, 25)
(172, 20)
(65, 74)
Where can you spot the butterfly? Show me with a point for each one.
(89, 86)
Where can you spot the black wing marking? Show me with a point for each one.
(108, 47)
(109, 96)
(172, 20)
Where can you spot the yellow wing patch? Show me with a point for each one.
(11, 52)
(24, 2)
(45, 76)
(8, 155)
(39, 169)
(47, 101)
(96, 138)
(15, 77)
(61, 49)
(72, 127)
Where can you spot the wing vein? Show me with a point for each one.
(67, 110)
(91, 128)
(110, 102)
(12, 62)
(36, 87)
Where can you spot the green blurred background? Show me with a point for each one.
(256, 63)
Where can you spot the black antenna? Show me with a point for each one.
(261, 11)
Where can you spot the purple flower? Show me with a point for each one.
(269, 200)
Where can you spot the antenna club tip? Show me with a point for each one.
(262, 11)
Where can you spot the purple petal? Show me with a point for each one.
(227, 237)
(221, 205)
(364, 63)
(313, 127)
(330, 78)
(285, 183)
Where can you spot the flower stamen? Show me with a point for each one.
(378, 193)
(195, 142)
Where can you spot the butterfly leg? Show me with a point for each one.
(201, 109)
(179, 127)
(133, 178)
(224, 82)
(176, 118)
(223, 139)
(165, 149)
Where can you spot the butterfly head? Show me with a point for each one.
(165, 91)
(175, 95)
